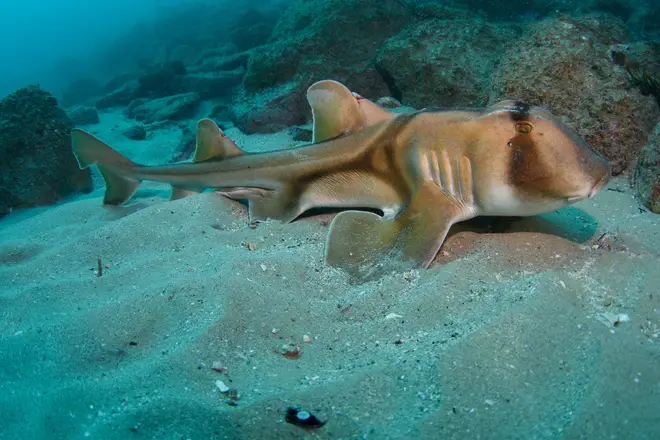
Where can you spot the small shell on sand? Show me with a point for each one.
(218, 367)
(220, 385)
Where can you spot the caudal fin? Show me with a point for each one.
(113, 166)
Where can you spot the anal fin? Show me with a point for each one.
(365, 244)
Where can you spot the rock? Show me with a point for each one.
(186, 147)
(81, 91)
(565, 65)
(252, 29)
(443, 62)
(301, 134)
(220, 112)
(216, 63)
(119, 97)
(316, 40)
(136, 133)
(161, 79)
(388, 102)
(38, 167)
(83, 115)
(646, 179)
(170, 108)
(119, 81)
(213, 84)
(278, 108)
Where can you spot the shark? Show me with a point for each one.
(399, 180)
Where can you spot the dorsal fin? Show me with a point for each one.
(337, 111)
(213, 143)
(334, 109)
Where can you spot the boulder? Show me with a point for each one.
(186, 147)
(301, 134)
(170, 108)
(646, 179)
(135, 133)
(83, 115)
(252, 29)
(161, 79)
(119, 97)
(443, 62)
(278, 108)
(222, 62)
(37, 166)
(316, 40)
(565, 64)
(81, 91)
(213, 84)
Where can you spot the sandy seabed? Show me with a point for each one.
(537, 328)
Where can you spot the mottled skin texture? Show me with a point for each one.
(423, 170)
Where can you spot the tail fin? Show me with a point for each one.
(91, 151)
(212, 144)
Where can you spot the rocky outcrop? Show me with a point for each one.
(443, 62)
(565, 65)
(81, 91)
(119, 97)
(161, 79)
(646, 179)
(316, 40)
(83, 115)
(252, 29)
(37, 166)
(135, 133)
(170, 108)
(213, 84)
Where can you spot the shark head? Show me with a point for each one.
(542, 164)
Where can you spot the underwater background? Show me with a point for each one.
(181, 319)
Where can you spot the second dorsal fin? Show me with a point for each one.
(213, 143)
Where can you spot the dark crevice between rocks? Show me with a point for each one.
(390, 83)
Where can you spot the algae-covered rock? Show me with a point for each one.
(161, 79)
(170, 108)
(119, 97)
(646, 178)
(83, 115)
(316, 40)
(213, 84)
(443, 62)
(37, 166)
(565, 64)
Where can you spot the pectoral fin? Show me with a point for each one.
(365, 244)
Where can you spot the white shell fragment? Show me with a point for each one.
(393, 316)
(612, 319)
(220, 385)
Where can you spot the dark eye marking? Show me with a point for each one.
(524, 127)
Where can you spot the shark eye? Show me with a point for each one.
(524, 127)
